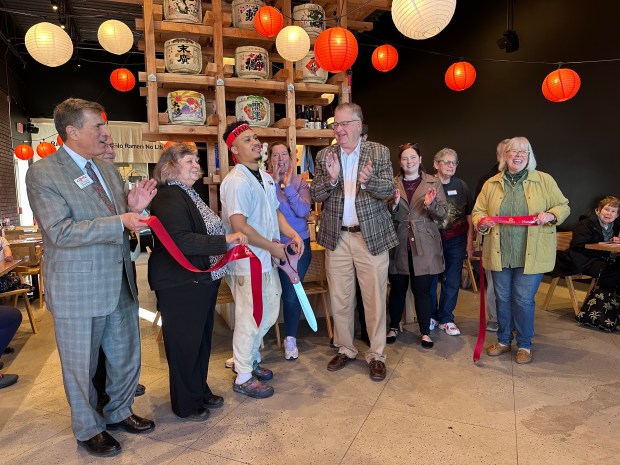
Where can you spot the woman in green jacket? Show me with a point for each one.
(518, 255)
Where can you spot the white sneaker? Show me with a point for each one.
(290, 348)
(432, 325)
(450, 328)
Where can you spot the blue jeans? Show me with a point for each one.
(292, 307)
(514, 295)
(454, 252)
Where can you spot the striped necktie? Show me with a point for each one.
(99, 188)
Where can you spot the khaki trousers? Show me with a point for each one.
(352, 257)
(246, 335)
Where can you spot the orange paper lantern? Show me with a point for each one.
(24, 152)
(122, 80)
(268, 21)
(460, 76)
(385, 58)
(561, 85)
(104, 115)
(59, 140)
(45, 149)
(335, 49)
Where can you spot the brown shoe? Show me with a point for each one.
(497, 349)
(523, 356)
(338, 362)
(377, 370)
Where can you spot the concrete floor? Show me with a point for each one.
(434, 407)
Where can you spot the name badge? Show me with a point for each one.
(453, 192)
(83, 181)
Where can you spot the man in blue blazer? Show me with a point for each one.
(84, 215)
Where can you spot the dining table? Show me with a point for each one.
(605, 246)
(6, 267)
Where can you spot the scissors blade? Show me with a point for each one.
(305, 306)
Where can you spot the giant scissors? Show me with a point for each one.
(289, 266)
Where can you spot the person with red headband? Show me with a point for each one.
(250, 206)
(518, 209)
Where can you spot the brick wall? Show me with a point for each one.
(8, 195)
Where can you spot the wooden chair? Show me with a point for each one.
(467, 263)
(32, 264)
(14, 295)
(563, 243)
(315, 283)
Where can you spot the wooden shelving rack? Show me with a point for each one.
(219, 39)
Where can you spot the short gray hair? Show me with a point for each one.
(354, 107)
(531, 160)
(445, 151)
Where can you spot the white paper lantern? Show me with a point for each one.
(49, 44)
(422, 19)
(293, 43)
(115, 37)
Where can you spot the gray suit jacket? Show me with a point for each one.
(86, 249)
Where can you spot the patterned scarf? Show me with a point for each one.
(213, 223)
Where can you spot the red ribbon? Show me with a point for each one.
(236, 253)
(529, 220)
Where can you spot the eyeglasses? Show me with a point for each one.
(449, 162)
(515, 152)
(343, 124)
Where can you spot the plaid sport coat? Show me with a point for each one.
(370, 204)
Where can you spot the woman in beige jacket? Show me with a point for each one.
(518, 255)
(418, 257)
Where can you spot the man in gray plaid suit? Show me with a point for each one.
(84, 216)
(354, 180)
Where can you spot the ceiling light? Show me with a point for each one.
(54, 5)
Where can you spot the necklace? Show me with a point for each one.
(513, 179)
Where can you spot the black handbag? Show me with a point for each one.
(601, 310)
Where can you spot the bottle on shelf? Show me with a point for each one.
(308, 117)
(317, 118)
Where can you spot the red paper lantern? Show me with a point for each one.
(122, 79)
(560, 85)
(268, 21)
(24, 152)
(460, 76)
(59, 140)
(45, 149)
(335, 49)
(384, 58)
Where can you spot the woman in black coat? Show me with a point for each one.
(600, 226)
(186, 299)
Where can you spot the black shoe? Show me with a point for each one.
(392, 339)
(199, 415)
(101, 445)
(102, 401)
(133, 424)
(213, 402)
(426, 344)
(140, 390)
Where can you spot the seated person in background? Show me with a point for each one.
(10, 319)
(598, 226)
(11, 280)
